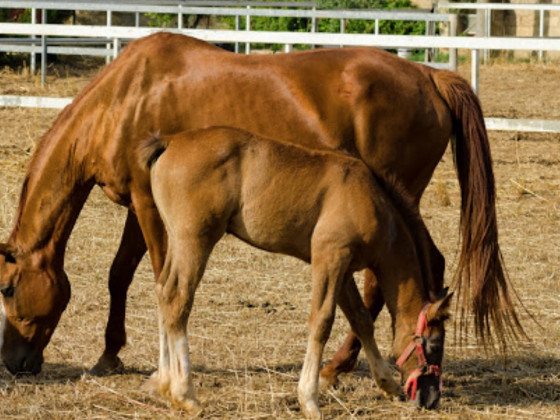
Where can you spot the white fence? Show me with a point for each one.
(487, 9)
(119, 33)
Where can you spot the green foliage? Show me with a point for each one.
(389, 27)
(160, 20)
(24, 15)
(333, 25)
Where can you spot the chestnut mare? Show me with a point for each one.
(395, 115)
(319, 206)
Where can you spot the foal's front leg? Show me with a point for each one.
(347, 355)
(328, 272)
(351, 303)
(183, 269)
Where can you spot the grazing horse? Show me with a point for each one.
(394, 115)
(319, 206)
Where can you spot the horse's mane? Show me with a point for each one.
(404, 203)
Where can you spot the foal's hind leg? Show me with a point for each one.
(347, 355)
(350, 302)
(131, 250)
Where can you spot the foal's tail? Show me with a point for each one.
(150, 150)
(481, 273)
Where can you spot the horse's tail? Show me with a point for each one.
(150, 150)
(480, 273)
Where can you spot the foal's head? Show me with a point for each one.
(420, 361)
(33, 299)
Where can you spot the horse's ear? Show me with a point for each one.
(9, 252)
(439, 310)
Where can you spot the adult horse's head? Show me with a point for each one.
(34, 295)
(421, 360)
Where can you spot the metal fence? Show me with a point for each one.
(488, 8)
(102, 47)
(116, 34)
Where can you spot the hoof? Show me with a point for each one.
(190, 406)
(152, 385)
(107, 366)
(327, 378)
(326, 382)
(312, 412)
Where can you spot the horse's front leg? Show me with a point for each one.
(347, 355)
(131, 250)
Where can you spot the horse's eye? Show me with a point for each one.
(7, 291)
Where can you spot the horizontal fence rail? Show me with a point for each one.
(503, 124)
(55, 38)
(271, 37)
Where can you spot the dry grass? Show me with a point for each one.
(248, 330)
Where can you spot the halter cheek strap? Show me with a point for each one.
(423, 368)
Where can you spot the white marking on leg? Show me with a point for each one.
(308, 382)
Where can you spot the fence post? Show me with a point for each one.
(236, 29)
(541, 30)
(43, 49)
(180, 17)
(108, 46)
(453, 23)
(116, 47)
(248, 28)
(342, 28)
(475, 58)
(33, 55)
(488, 32)
(313, 22)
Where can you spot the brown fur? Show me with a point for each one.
(394, 115)
(321, 207)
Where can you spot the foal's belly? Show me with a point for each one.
(265, 231)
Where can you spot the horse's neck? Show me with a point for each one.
(53, 193)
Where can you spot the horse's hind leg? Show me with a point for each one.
(347, 355)
(350, 302)
(131, 250)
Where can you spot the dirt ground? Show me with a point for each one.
(248, 329)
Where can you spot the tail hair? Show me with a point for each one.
(481, 275)
(150, 150)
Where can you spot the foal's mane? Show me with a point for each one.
(405, 205)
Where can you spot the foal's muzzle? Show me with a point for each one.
(425, 377)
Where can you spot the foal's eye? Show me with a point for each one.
(7, 291)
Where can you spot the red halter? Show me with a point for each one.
(423, 368)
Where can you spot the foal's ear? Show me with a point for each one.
(439, 310)
(9, 252)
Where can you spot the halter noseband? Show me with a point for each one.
(423, 368)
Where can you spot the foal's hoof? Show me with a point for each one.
(107, 366)
(190, 406)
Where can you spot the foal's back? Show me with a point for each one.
(271, 194)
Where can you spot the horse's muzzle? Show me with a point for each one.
(24, 363)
